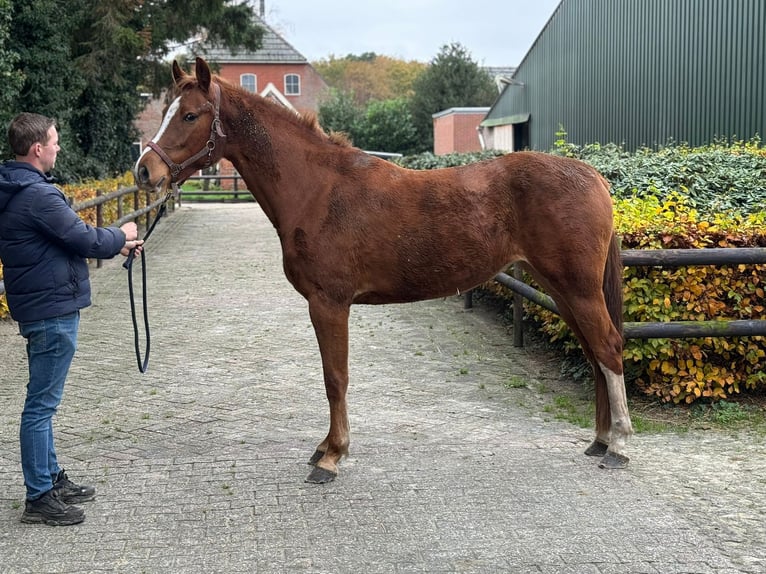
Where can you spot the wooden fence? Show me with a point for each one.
(122, 217)
(238, 192)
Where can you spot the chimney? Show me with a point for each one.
(263, 9)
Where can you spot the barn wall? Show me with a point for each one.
(644, 72)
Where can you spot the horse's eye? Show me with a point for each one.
(190, 117)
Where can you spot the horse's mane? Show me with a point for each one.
(308, 119)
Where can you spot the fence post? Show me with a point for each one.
(99, 221)
(148, 213)
(518, 310)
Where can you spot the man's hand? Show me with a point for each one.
(130, 229)
(138, 244)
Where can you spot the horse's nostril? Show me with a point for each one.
(143, 174)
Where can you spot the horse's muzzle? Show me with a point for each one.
(143, 179)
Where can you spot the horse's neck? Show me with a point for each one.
(267, 164)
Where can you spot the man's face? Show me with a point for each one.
(49, 150)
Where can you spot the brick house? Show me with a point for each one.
(276, 70)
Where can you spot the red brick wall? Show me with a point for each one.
(444, 130)
(456, 132)
(313, 86)
(466, 134)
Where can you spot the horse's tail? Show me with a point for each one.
(612, 285)
(612, 288)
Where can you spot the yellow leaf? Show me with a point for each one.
(668, 368)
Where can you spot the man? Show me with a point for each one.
(43, 246)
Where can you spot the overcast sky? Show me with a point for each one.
(495, 32)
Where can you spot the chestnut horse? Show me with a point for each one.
(358, 229)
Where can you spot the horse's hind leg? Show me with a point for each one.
(331, 327)
(602, 343)
(577, 290)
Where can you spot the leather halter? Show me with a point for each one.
(215, 129)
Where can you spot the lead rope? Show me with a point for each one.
(143, 365)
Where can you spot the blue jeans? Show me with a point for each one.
(51, 344)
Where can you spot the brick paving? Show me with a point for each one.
(200, 462)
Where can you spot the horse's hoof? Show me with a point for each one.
(597, 448)
(613, 460)
(315, 457)
(321, 476)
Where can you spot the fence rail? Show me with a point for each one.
(238, 192)
(650, 330)
(122, 218)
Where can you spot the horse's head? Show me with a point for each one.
(190, 137)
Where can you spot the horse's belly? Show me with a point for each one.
(425, 284)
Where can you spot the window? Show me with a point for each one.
(292, 85)
(248, 82)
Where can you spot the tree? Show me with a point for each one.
(339, 112)
(370, 76)
(379, 126)
(369, 100)
(40, 40)
(387, 126)
(86, 62)
(452, 79)
(10, 78)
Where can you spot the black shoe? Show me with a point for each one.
(51, 510)
(70, 492)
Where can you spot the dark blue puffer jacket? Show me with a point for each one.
(44, 245)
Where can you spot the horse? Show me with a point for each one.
(357, 229)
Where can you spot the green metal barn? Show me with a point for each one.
(637, 73)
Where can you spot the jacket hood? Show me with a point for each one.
(15, 176)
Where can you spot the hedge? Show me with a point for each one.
(683, 370)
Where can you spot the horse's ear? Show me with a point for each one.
(203, 74)
(178, 73)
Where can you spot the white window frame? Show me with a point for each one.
(287, 91)
(242, 78)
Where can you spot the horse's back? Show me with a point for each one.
(550, 194)
(550, 176)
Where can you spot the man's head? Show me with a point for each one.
(34, 140)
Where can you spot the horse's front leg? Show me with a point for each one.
(330, 322)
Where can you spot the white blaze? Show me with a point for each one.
(172, 111)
